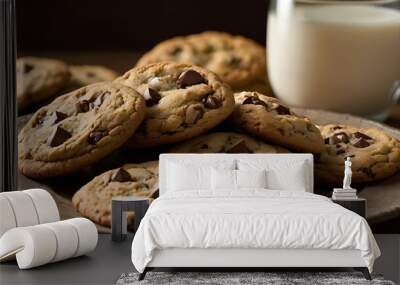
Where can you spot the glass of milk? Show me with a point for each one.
(342, 56)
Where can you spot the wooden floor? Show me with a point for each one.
(110, 260)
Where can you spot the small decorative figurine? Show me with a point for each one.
(347, 173)
(347, 192)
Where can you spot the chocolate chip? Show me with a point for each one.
(337, 128)
(28, 68)
(59, 136)
(57, 117)
(90, 74)
(368, 172)
(326, 140)
(282, 110)
(189, 78)
(121, 175)
(95, 136)
(239, 147)
(361, 143)
(340, 151)
(209, 49)
(249, 101)
(339, 137)
(193, 114)
(151, 96)
(254, 100)
(82, 106)
(211, 102)
(175, 51)
(100, 99)
(361, 135)
(235, 61)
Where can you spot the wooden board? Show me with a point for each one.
(383, 198)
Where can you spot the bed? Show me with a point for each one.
(247, 210)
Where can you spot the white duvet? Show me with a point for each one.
(250, 219)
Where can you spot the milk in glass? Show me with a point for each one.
(336, 57)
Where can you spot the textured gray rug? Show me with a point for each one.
(243, 278)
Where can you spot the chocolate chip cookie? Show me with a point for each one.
(269, 119)
(79, 128)
(94, 199)
(375, 155)
(239, 61)
(39, 79)
(226, 142)
(182, 101)
(83, 75)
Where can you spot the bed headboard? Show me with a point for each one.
(212, 158)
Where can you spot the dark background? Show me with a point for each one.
(129, 24)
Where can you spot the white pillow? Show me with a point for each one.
(226, 179)
(281, 175)
(185, 175)
(223, 179)
(294, 180)
(251, 178)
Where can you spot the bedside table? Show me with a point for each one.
(358, 205)
(120, 207)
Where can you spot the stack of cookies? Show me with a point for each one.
(204, 93)
(239, 61)
(40, 80)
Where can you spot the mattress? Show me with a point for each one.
(254, 218)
